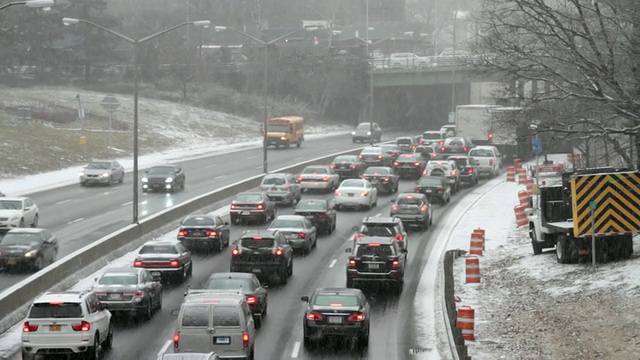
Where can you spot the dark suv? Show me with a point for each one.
(413, 209)
(468, 169)
(167, 178)
(435, 188)
(376, 259)
(382, 226)
(264, 253)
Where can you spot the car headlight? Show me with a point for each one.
(168, 180)
(144, 180)
(105, 175)
(283, 138)
(353, 133)
(31, 253)
(81, 174)
(368, 132)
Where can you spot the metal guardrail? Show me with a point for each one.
(456, 340)
(15, 300)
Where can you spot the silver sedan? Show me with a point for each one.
(129, 290)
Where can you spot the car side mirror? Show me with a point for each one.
(354, 228)
(348, 250)
(175, 312)
(393, 200)
(95, 279)
(305, 298)
(226, 223)
(265, 286)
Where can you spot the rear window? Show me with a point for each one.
(158, 249)
(312, 205)
(410, 157)
(226, 316)
(481, 153)
(353, 183)
(377, 171)
(287, 223)
(460, 162)
(456, 143)
(431, 136)
(198, 221)
(371, 151)
(57, 310)
(381, 251)
(274, 180)
(195, 316)
(404, 142)
(247, 285)
(345, 159)
(256, 243)
(249, 197)
(430, 182)
(379, 230)
(336, 300)
(405, 201)
(315, 170)
(118, 279)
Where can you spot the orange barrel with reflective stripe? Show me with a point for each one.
(465, 322)
(522, 175)
(517, 163)
(523, 198)
(511, 173)
(472, 269)
(529, 183)
(481, 232)
(521, 215)
(477, 244)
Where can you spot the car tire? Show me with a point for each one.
(179, 278)
(398, 287)
(289, 270)
(284, 275)
(350, 283)
(34, 224)
(108, 342)
(38, 264)
(93, 352)
(190, 271)
(537, 248)
(308, 343)
(363, 340)
(257, 321)
(21, 223)
(27, 356)
(159, 306)
(147, 312)
(121, 179)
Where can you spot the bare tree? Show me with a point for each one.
(582, 57)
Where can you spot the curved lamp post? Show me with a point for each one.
(135, 43)
(265, 44)
(30, 3)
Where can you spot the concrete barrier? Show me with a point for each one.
(15, 300)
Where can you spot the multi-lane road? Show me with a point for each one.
(85, 214)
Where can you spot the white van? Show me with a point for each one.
(215, 321)
(434, 137)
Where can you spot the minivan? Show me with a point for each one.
(217, 321)
(189, 356)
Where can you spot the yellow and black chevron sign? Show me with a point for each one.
(617, 197)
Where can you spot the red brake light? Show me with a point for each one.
(490, 136)
(394, 207)
(385, 179)
(183, 233)
(416, 163)
(313, 316)
(323, 216)
(333, 166)
(288, 186)
(300, 178)
(260, 206)
(233, 206)
(326, 178)
(379, 156)
(396, 163)
(257, 238)
(374, 245)
(212, 233)
(364, 193)
(453, 173)
(441, 190)
(235, 252)
(394, 154)
(353, 166)
(251, 299)
(245, 339)
(302, 235)
(358, 236)
(174, 263)
(441, 142)
(465, 149)
(176, 340)
(279, 252)
(395, 264)
(56, 302)
(356, 317)
(470, 171)
(83, 326)
(138, 294)
(424, 208)
(442, 149)
(137, 263)
(399, 237)
(490, 162)
(26, 327)
(416, 189)
(352, 264)
(360, 156)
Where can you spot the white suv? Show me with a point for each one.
(69, 322)
(488, 159)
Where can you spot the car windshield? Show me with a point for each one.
(352, 183)
(404, 142)
(407, 201)
(230, 284)
(460, 161)
(364, 126)
(335, 300)
(10, 205)
(377, 170)
(378, 230)
(371, 151)
(389, 148)
(18, 238)
(315, 170)
(305, 205)
(374, 251)
(273, 180)
(99, 165)
(410, 157)
(481, 153)
(158, 249)
(346, 158)
(249, 197)
(161, 171)
(455, 142)
(278, 128)
(432, 136)
(429, 181)
(254, 243)
(198, 221)
(118, 279)
(55, 310)
(287, 223)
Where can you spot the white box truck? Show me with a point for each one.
(474, 122)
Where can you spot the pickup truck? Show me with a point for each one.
(488, 159)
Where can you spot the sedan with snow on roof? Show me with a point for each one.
(318, 177)
(356, 193)
(298, 230)
(382, 178)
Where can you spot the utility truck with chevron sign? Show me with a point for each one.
(603, 202)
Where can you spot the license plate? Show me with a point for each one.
(274, 188)
(222, 340)
(115, 296)
(156, 273)
(350, 195)
(197, 233)
(374, 266)
(11, 262)
(335, 320)
(55, 328)
(256, 270)
(374, 181)
(429, 190)
(245, 213)
(310, 217)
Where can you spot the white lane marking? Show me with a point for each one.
(127, 203)
(210, 165)
(164, 348)
(142, 203)
(333, 263)
(219, 177)
(63, 201)
(251, 157)
(296, 349)
(76, 220)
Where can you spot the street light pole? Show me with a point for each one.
(29, 3)
(453, 64)
(368, 56)
(135, 43)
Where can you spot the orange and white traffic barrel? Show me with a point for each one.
(465, 321)
(472, 269)
(522, 175)
(523, 198)
(481, 232)
(521, 215)
(477, 244)
(529, 184)
(511, 173)
(517, 163)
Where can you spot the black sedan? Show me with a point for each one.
(336, 312)
(383, 178)
(255, 293)
(468, 169)
(410, 165)
(131, 291)
(204, 232)
(348, 166)
(435, 188)
(392, 150)
(28, 248)
(165, 259)
(320, 212)
(166, 178)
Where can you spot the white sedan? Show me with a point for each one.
(356, 193)
(318, 177)
(18, 212)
